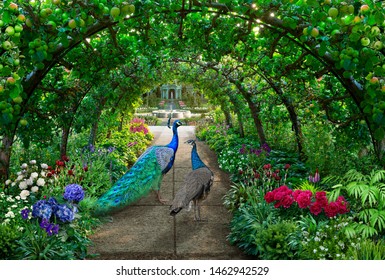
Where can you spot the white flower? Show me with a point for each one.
(40, 182)
(43, 174)
(14, 206)
(23, 185)
(6, 221)
(10, 214)
(44, 166)
(317, 239)
(34, 189)
(315, 251)
(19, 178)
(18, 173)
(24, 194)
(322, 248)
(24, 165)
(17, 197)
(29, 182)
(34, 175)
(8, 182)
(32, 162)
(10, 199)
(13, 184)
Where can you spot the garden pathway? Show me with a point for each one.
(145, 230)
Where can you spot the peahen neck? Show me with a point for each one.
(196, 161)
(175, 140)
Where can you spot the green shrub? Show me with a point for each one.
(367, 250)
(273, 241)
(8, 241)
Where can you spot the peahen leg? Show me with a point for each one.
(197, 212)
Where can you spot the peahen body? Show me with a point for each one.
(144, 175)
(195, 187)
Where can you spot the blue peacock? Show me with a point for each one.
(144, 175)
(196, 186)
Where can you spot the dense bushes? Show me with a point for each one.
(284, 209)
(47, 206)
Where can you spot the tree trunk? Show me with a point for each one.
(240, 123)
(227, 114)
(254, 109)
(64, 140)
(5, 156)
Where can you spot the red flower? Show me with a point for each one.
(269, 197)
(287, 201)
(321, 198)
(287, 166)
(240, 171)
(85, 168)
(65, 158)
(256, 175)
(342, 205)
(331, 209)
(296, 193)
(304, 199)
(267, 166)
(70, 172)
(315, 208)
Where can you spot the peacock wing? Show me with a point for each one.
(165, 157)
(136, 183)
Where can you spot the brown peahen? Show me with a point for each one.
(195, 187)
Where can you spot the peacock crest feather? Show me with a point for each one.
(144, 175)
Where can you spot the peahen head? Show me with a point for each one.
(191, 142)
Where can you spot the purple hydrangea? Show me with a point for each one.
(64, 213)
(73, 192)
(24, 213)
(41, 209)
(49, 228)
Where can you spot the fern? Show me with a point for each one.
(367, 193)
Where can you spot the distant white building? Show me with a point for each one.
(171, 91)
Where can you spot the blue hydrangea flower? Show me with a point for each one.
(53, 203)
(73, 192)
(64, 213)
(41, 209)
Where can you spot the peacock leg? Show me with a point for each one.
(161, 200)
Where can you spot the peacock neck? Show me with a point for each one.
(196, 161)
(175, 140)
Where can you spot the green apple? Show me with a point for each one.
(115, 12)
(365, 41)
(10, 31)
(11, 81)
(23, 122)
(333, 12)
(18, 28)
(17, 99)
(13, 7)
(378, 45)
(72, 24)
(21, 18)
(374, 81)
(314, 32)
(364, 8)
(375, 31)
(7, 45)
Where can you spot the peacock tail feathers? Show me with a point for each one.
(144, 175)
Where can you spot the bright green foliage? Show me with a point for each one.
(9, 234)
(273, 242)
(367, 193)
(367, 250)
